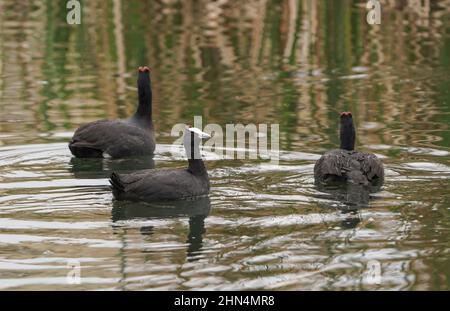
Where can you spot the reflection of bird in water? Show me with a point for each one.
(195, 237)
(353, 197)
(102, 168)
(146, 230)
(196, 210)
(352, 220)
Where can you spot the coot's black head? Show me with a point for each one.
(347, 131)
(144, 110)
(144, 71)
(191, 142)
(144, 80)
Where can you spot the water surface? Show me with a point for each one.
(264, 226)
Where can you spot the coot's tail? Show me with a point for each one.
(117, 186)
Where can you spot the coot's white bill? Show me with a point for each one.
(199, 132)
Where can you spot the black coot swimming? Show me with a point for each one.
(120, 138)
(166, 184)
(347, 164)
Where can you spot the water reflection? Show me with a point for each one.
(287, 62)
(352, 221)
(197, 210)
(102, 168)
(352, 197)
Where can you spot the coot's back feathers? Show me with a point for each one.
(116, 138)
(346, 164)
(341, 165)
(120, 138)
(164, 184)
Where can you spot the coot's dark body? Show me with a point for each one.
(151, 185)
(347, 164)
(119, 138)
(165, 184)
(342, 165)
(114, 138)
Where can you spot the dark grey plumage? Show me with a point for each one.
(119, 138)
(347, 164)
(165, 184)
(357, 167)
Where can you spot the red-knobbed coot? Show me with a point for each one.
(120, 138)
(347, 164)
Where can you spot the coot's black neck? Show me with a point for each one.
(144, 110)
(197, 167)
(347, 133)
(196, 164)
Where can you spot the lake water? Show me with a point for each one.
(264, 226)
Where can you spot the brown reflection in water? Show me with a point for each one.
(255, 61)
